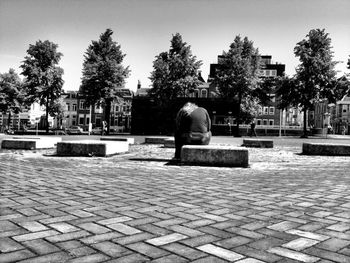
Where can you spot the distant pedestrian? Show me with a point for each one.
(104, 128)
(252, 129)
(343, 132)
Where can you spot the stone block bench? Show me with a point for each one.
(169, 143)
(30, 143)
(214, 155)
(326, 149)
(258, 143)
(118, 139)
(155, 140)
(91, 148)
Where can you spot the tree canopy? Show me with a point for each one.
(175, 73)
(103, 72)
(43, 77)
(237, 75)
(11, 98)
(316, 71)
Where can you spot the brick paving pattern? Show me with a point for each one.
(139, 207)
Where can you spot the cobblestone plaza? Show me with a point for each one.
(140, 207)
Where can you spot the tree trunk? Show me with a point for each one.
(238, 119)
(304, 128)
(9, 120)
(108, 114)
(47, 116)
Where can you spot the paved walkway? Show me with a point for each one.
(137, 208)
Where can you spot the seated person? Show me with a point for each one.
(192, 127)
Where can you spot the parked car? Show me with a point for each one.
(74, 130)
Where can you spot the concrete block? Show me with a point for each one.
(214, 155)
(155, 140)
(118, 139)
(91, 148)
(258, 143)
(30, 143)
(169, 143)
(326, 149)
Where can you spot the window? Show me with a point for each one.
(117, 108)
(264, 122)
(274, 72)
(81, 121)
(271, 122)
(272, 110)
(267, 73)
(260, 110)
(258, 122)
(266, 110)
(74, 107)
(68, 107)
(203, 93)
(81, 105)
(196, 93)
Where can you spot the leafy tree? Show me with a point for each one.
(286, 92)
(315, 71)
(57, 109)
(175, 72)
(237, 75)
(43, 78)
(103, 73)
(11, 97)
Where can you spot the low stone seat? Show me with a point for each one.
(155, 140)
(118, 139)
(91, 148)
(30, 143)
(258, 143)
(169, 143)
(326, 149)
(214, 155)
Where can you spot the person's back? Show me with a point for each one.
(192, 127)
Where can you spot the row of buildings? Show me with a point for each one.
(77, 114)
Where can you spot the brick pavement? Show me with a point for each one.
(139, 208)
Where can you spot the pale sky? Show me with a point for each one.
(144, 29)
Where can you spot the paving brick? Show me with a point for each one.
(300, 243)
(328, 255)
(81, 251)
(133, 238)
(148, 250)
(57, 257)
(33, 226)
(41, 246)
(8, 245)
(133, 258)
(68, 245)
(334, 244)
(293, 254)
(163, 240)
(67, 236)
(210, 259)
(114, 220)
(64, 227)
(94, 258)
(125, 229)
(308, 234)
(220, 252)
(16, 256)
(200, 240)
(99, 238)
(35, 235)
(111, 249)
(94, 228)
(184, 251)
(283, 226)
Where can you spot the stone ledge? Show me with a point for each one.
(30, 143)
(213, 155)
(155, 140)
(118, 139)
(258, 143)
(91, 148)
(326, 149)
(169, 143)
